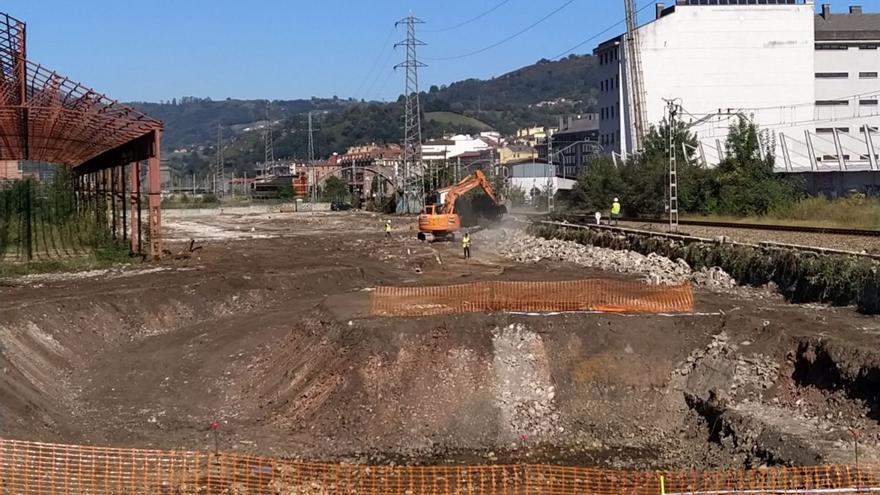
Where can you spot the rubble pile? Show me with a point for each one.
(654, 269)
(524, 391)
(734, 373)
(715, 278)
(758, 371)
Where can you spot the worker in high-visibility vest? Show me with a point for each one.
(466, 245)
(615, 211)
(387, 228)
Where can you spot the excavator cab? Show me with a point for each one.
(440, 225)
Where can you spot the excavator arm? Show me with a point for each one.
(477, 179)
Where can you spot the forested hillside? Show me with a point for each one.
(533, 95)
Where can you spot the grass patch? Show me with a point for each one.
(457, 120)
(102, 258)
(852, 213)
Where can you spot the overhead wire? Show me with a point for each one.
(389, 69)
(505, 40)
(369, 76)
(600, 33)
(472, 19)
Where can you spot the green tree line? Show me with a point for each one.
(742, 184)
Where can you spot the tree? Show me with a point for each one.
(747, 184)
(517, 196)
(335, 190)
(286, 191)
(597, 186)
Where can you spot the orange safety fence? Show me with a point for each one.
(45, 469)
(574, 295)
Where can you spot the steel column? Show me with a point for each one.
(135, 199)
(113, 184)
(872, 154)
(841, 162)
(155, 212)
(785, 154)
(814, 163)
(122, 170)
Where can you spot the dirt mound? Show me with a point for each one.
(272, 339)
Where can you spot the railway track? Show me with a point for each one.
(737, 225)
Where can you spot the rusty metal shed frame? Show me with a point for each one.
(47, 117)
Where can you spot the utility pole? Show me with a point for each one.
(314, 185)
(551, 173)
(269, 152)
(672, 109)
(219, 167)
(413, 184)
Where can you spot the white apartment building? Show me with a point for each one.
(453, 147)
(777, 62)
(847, 113)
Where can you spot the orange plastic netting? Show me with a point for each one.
(44, 469)
(574, 295)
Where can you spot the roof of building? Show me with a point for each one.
(439, 142)
(580, 125)
(520, 148)
(852, 26)
(46, 117)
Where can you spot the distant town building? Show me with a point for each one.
(371, 170)
(515, 153)
(531, 136)
(453, 147)
(573, 146)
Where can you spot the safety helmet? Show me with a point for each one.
(615, 198)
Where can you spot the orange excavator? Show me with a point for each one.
(441, 220)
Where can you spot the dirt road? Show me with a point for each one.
(267, 330)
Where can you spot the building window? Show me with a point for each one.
(832, 75)
(832, 103)
(868, 46)
(831, 46)
(870, 128)
(868, 102)
(830, 130)
(867, 75)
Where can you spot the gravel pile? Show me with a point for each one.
(653, 268)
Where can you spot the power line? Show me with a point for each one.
(512, 36)
(600, 33)
(369, 75)
(389, 69)
(795, 105)
(472, 19)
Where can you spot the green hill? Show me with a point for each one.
(457, 121)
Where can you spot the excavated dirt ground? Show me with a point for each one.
(267, 330)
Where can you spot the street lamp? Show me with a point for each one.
(551, 165)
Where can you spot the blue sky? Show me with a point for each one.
(278, 49)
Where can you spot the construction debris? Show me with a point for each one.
(654, 269)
